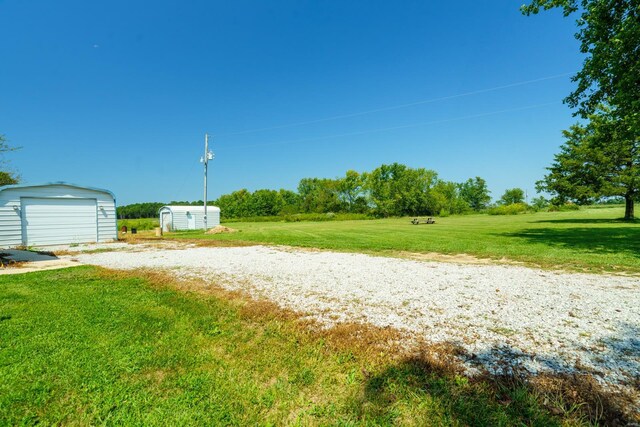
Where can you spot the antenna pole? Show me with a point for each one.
(208, 155)
(206, 163)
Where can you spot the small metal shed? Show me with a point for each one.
(174, 218)
(56, 213)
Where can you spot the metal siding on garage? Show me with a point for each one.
(214, 218)
(52, 221)
(195, 218)
(191, 221)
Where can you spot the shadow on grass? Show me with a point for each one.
(508, 396)
(588, 221)
(485, 401)
(593, 240)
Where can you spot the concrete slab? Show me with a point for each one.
(29, 261)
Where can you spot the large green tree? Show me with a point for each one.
(446, 198)
(351, 191)
(319, 195)
(396, 190)
(290, 201)
(511, 196)
(234, 205)
(609, 34)
(598, 159)
(264, 203)
(476, 193)
(601, 158)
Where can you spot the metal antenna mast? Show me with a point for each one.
(208, 155)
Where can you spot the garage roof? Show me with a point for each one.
(102, 190)
(190, 208)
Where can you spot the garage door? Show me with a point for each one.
(58, 221)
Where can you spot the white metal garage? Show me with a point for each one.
(188, 217)
(56, 213)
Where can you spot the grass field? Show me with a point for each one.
(591, 239)
(87, 346)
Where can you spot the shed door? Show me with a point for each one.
(166, 221)
(191, 221)
(54, 221)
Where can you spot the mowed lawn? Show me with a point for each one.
(591, 239)
(86, 346)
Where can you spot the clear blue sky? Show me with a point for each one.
(119, 94)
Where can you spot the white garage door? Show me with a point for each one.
(58, 221)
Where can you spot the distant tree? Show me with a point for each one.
(476, 193)
(139, 210)
(447, 199)
(351, 191)
(539, 202)
(396, 190)
(598, 159)
(290, 201)
(234, 205)
(188, 203)
(7, 177)
(611, 201)
(318, 195)
(264, 203)
(511, 196)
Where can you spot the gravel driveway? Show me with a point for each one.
(536, 320)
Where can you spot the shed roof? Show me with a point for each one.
(190, 208)
(66, 184)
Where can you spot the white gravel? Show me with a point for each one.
(535, 320)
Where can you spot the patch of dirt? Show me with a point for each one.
(218, 229)
(457, 258)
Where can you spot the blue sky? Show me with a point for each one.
(119, 94)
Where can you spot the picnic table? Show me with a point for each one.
(416, 221)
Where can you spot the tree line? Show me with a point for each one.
(388, 190)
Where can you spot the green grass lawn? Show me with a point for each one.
(591, 239)
(87, 346)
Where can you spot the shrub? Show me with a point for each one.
(325, 217)
(302, 217)
(564, 208)
(253, 219)
(512, 209)
(539, 203)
